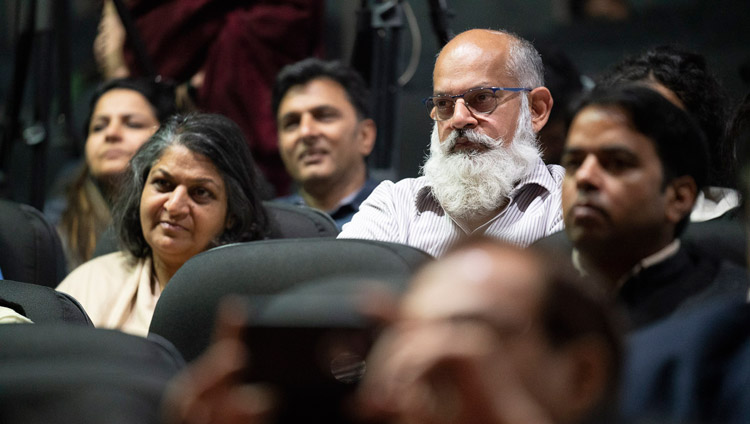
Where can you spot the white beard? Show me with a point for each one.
(473, 184)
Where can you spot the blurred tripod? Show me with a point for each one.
(376, 57)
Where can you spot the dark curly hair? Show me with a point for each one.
(686, 74)
(220, 140)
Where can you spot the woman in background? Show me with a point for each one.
(124, 113)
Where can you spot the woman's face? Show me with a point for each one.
(121, 122)
(183, 205)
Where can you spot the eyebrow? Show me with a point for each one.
(108, 116)
(605, 149)
(191, 180)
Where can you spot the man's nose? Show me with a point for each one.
(588, 175)
(307, 126)
(462, 116)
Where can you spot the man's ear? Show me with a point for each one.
(681, 194)
(367, 131)
(541, 105)
(590, 365)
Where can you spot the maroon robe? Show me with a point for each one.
(241, 46)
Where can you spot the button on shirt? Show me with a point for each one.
(406, 212)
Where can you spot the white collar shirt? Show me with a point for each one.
(406, 212)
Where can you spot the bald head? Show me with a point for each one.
(497, 282)
(508, 55)
(476, 49)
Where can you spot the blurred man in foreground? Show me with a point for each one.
(489, 334)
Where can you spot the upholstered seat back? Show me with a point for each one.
(185, 311)
(42, 305)
(73, 374)
(30, 249)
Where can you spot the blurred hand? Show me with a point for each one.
(109, 43)
(211, 389)
(445, 372)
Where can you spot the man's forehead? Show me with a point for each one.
(473, 53)
(319, 84)
(314, 93)
(599, 127)
(470, 283)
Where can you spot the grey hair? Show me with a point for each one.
(525, 62)
(218, 139)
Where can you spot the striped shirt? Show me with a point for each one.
(406, 212)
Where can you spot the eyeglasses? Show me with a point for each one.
(478, 100)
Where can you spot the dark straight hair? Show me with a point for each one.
(220, 140)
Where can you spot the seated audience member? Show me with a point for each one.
(684, 78)
(693, 368)
(485, 174)
(634, 164)
(191, 187)
(124, 113)
(491, 333)
(325, 134)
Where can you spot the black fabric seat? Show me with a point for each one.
(30, 248)
(74, 374)
(292, 221)
(42, 305)
(185, 311)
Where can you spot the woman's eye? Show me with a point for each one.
(202, 193)
(161, 184)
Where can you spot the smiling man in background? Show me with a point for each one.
(325, 134)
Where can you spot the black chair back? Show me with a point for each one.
(43, 305)
(74, 374)
(185, 311)
(30, 246)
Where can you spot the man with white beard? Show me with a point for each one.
(484, 174)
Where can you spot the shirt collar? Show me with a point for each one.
(540, 175)
(655, 258)
(355, 199)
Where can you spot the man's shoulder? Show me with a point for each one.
(556, 171)
(547, 176)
